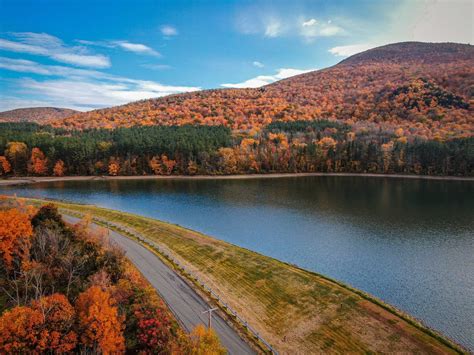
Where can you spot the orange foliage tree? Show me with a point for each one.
(19, 328)
(169, 164)
(228, 160)
(114, 167)
(45, 326)
(15, 234)
(155, 165)
(5, 166)
(38, 163)
(101, 325)
(59, 168)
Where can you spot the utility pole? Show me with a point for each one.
(210, 310)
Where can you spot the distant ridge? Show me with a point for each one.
(423, 88)
(420, 52)
(35, 114)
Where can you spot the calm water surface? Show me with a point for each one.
(409, 242)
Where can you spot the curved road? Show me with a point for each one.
(184, 302)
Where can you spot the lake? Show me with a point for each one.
(409, 242)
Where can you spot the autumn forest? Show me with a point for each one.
(387, 110)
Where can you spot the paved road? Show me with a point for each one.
(183, 301)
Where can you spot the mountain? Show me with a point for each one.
(426, 89)
(35, 114)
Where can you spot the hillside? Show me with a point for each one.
(423, 88)
(35, 114)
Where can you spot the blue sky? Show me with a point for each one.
(91, 54)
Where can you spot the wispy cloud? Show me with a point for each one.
(310, 22)
(29, 66)
(346, 51)
(312, 28)
(97, 94)
(262, 80)
(47, 45)
(23, 66)
(424, 21)
(276, 25)
(258, 64)
(156, 66)
(137, 48)
(273, 27)
(82, 89)
(11, 102)
(168, 30)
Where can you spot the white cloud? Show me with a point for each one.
(258, 64)
(91, 94)
(11, 103)
(81, 89)
(21, 47)
(422, 20)
(432, 21)
(28, 66)
(93, 61)
(168, 30)
(310, 22)
(273, 28)
(46, 45)
(274, 25)
(331, 30)
(346, 51)
(262, 80)
(23, 66)
(137, 48)
(312, 28)
(255, 21)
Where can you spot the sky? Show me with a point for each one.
(89, 54)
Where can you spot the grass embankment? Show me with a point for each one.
(293, 309)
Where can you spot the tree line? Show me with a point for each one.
(281, 147)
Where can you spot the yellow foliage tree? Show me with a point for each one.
(114, 167)
(204, 341)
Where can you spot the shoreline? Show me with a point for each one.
(37, 179)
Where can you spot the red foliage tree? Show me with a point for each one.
(153, 329)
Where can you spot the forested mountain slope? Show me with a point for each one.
(35, 114)
(424, 88)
